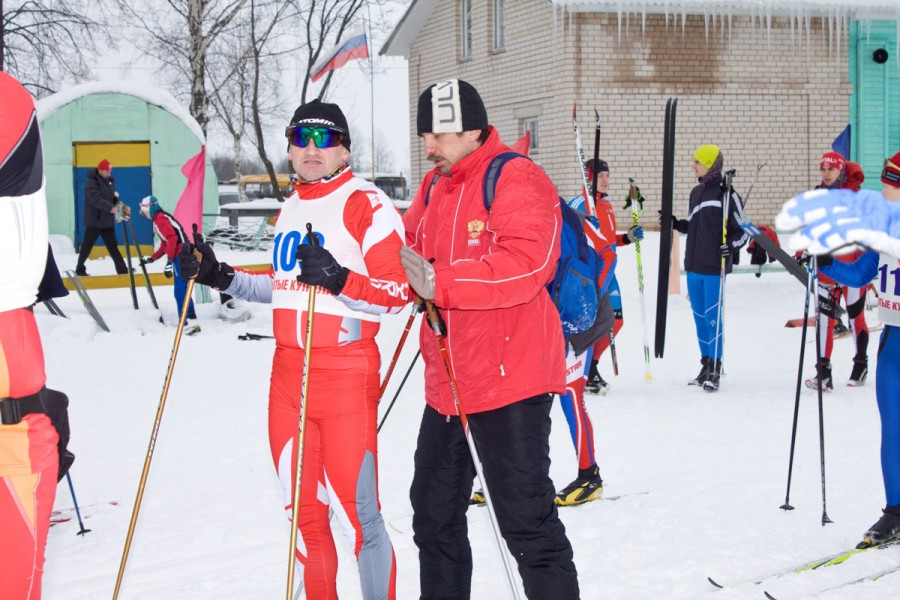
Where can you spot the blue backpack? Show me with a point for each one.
(574, 286)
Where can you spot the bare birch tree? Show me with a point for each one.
(45, 42)
(181, 35)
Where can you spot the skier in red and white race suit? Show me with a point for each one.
(838, 173)
(28, 440)
(359, 277)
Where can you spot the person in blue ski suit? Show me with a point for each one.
(703, 257)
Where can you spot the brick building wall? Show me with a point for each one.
(763, 95)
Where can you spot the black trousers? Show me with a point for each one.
(109, 240)
(513, 444)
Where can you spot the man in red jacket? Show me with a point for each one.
(485, 272)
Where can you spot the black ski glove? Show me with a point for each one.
(318, 267)
(725, 250)
(207, 271)
(823, 260)
(146, 260)
(168, 271)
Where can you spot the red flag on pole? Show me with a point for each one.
(189, 210)
(523, 145)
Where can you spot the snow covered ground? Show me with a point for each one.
(703, 474)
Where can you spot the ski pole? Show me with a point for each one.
(724, 262)
(814, 266)
(402, 382)
(752, 183)
(403, 336)
(155, 432)
(134, 299)
(787, 493)
(636, 221)
(137, 248)
(301, 436)
(435, 322)
(75, 502)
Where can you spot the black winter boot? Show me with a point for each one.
(859, 372)
(705, 369)
(823, 374)
(712, 380)
(886, 529)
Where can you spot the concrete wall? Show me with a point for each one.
(761, 95)
(108, 117)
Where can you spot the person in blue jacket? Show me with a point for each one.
(703, 256)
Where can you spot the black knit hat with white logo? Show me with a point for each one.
(451, 106)
(322, 114)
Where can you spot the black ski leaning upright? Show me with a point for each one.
(665, 230)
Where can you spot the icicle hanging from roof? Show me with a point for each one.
(834, 15)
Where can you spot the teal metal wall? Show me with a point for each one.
(875, 101)
(107, 117)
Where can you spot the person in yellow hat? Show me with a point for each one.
(703, 256)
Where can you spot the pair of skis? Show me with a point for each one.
(825, 561)
(127, 226)
(666, 226)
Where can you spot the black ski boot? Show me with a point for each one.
(859, 372)
(823, 374)
(885, 530)
(587, 486)
(595, 383)
(711, 384)
(705, 370)
(840, 330)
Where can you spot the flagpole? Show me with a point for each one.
(371, 83)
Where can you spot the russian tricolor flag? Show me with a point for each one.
(355, 47)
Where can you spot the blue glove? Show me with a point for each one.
(833, 221)
(635, 232)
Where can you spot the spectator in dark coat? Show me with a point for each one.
(101, 203)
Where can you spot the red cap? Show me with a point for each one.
(833, 159)
(890, 175)
(104, 165)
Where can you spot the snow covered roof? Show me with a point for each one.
(152, 95)
(405, 32)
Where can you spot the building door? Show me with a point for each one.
(131, 171)
(875, 102)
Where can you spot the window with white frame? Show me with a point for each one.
(531, 125)
(465, 29)
(499, 24)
